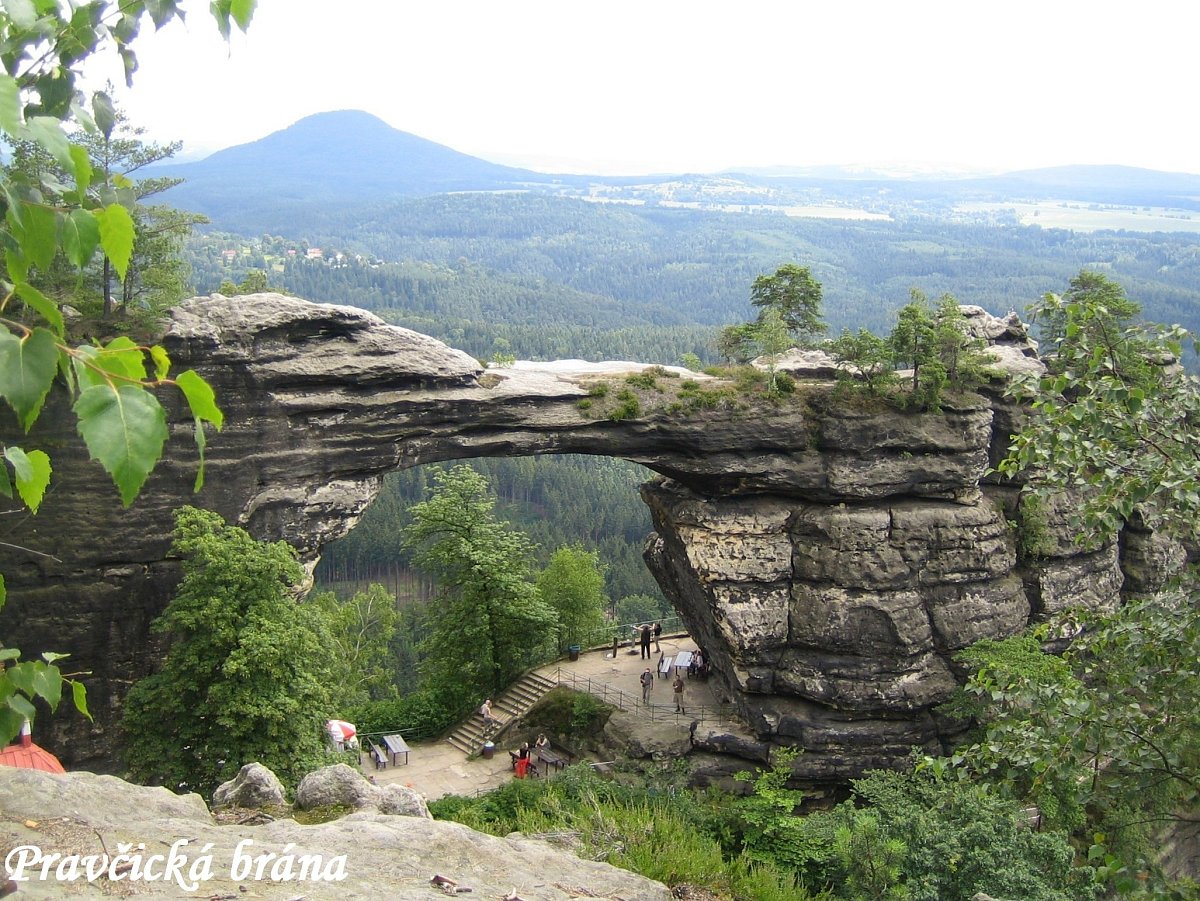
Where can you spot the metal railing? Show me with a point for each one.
(621, 633)
(633, 703)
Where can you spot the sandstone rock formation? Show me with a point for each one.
(384, 856)
(343, 786)
(830, 555)
(254, 786)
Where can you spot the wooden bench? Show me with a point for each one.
(378, 756)
(664, 666)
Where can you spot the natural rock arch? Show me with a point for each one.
(830, 559)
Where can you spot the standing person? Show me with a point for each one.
(678, 689)
(657, 632)
(647, 685)
(646, 641)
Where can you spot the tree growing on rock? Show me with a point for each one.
(246, 677)
(796, 296)
(789, 303)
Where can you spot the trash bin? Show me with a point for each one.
(489, 748)
(573, 652)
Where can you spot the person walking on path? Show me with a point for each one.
(677, 686)
(657, 632)
(647, 685)
(489, 721)
(645, 641)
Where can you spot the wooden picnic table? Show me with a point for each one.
(682, 661)
(552, 758)
(397, 746)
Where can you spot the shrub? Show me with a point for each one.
(423, 712)
(784, 383)
(645, 379)
(628, 406)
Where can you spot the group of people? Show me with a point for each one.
(523, 761)
(647, 680)
(646, 632)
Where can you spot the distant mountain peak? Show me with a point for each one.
(344, 155)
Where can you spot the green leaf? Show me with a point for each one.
(27, 368)
(23, 13)
(10, 105)
(79, 696)
(220, 10)
(48, 132)
(81, 235)
(116, 236)
(10, 720)
(104, 113)
(200, 398)
(129, 61)
(5, 482)
(39, 234)
(82, 168)
(32, 471)
(243, 12)
(162, 362)
(47, 684)
(124, 429)
(20, 704)
(122, 358)
(162, 11)
(43, 305)
(22, 675)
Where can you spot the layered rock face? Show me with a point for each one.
(829, 556)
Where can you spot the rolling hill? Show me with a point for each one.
(344, 158)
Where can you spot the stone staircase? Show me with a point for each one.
(513, 704)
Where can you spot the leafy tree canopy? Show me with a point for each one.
(795, 295)
(247, 676)
(573, 584)
(489, 621)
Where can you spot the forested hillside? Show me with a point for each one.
(549, 277)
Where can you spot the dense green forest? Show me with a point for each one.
(556, 501)
(551, 278)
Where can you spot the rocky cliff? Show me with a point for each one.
(830, 555)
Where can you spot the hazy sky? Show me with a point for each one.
(660, 85)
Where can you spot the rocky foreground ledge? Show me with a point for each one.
(189, 855)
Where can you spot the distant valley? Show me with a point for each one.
(502, 260)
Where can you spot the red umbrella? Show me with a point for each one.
(340, 730)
